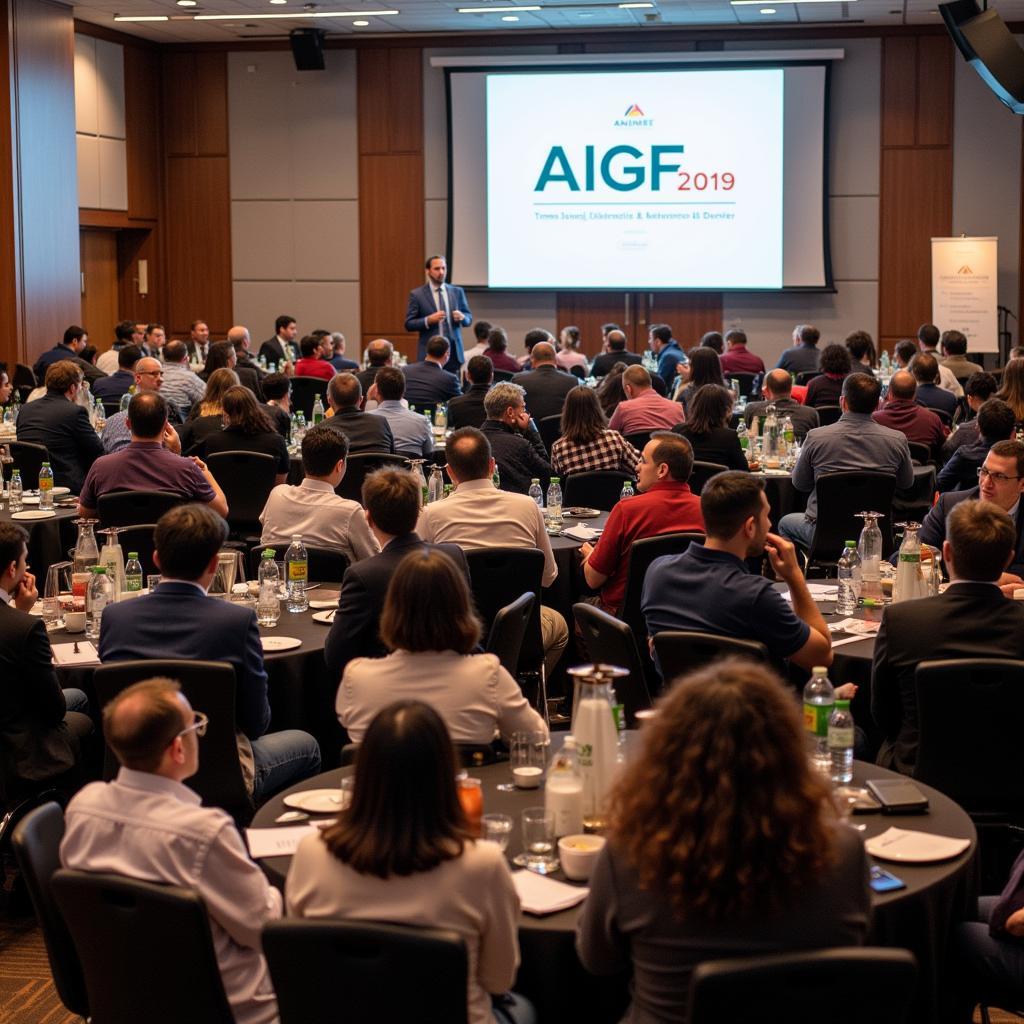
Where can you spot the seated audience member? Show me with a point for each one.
(925, 368)
(6, 387)
(644, 409)
(954, 350)
(532, 338)
(862, 351)
(901, 412)
(904, 351)
(71, 348)
(826, 388)
(723, 842)
(738, 359)
(90, 354)
(198, 343)
(181, 387)
(154, 340)
(365, 432)
(665, 504)
(995, 423)
(41, 725)
(972, 619)
(337, 357)
(379, 353)
(404, 851)
(1001, 482)
(481, 331)
(710, 588)
(978, 390)
(515, 442)
(152, 461)
(713, 339)
(467, 410)
(277, 390)
(705, 368)
(222, 356)
(478, 515)
(412, 432)
(854, 442)
(312, 509)
(497, 351)
(392, 501)
(803, 356)
(114, 385)
(670, 355)
(615, 352)
(281, 348)
(545, 384)
(247, 428)
(146, 824)
(62, 425)
(610, 392)
(179, 620)
(708, 431)
(569, 354)
(428, 383)
(432, 644)
(149, 376)
(928, 339)
(778, 391)
(124, 334)
(586, 443)
(311, 364)
(207, 415)
(1012, 389)
(241, 342)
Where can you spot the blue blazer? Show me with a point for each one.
(177, 621)
(421, 305)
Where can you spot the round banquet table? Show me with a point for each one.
(48, 539)
(916, 918)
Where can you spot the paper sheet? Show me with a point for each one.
(580, 532)
(64, 654)
(541, 895)
(277, 842)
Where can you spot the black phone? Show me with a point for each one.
(882, 881)
(898, 796)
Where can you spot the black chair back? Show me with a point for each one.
(210, 688)
(24, 376)
(28, 460)
(828, 414)
(502, 375)
(920, 453)
(140, 540)
(358, 466)
(578, 371)
(702, 472)
(363, 962)
(791, 988)
(840, 497)
(304, 394)
(596, 488)
(745, 381)
(325, 565)
(804, 377)
(247, 478)
(111, 406)
(508, 630)
(639, 439)
(142, 945)
(682, 651)
(609, 641)
(36, 844)
(550, 430)
(947, 419)
(913, 503)
(129, 508)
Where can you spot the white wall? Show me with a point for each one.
(99, 124)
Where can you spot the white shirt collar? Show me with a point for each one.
(315, 485)
(5, 597)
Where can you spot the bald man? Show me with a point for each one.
(149, 376)
(901, 412)
(778, 391)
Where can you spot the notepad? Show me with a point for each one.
(580, 532)
(277, 842)
(64, 654)
(541, 895)
(913, 847)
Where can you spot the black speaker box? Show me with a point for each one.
(989, 47)
(308, 48)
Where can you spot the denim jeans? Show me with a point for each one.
(797, 528)
(281, 759)
(76, 700)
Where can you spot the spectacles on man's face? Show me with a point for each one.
(996, 478)
(151, 373)
(198, 726)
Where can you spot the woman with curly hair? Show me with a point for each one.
(827, 387)
(723, 842)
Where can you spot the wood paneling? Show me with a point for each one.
(934, 91)
(899, 92)
(590, 310)
(390, 97)
(142, 131)
(134, 245)
(101, 307)
(195, 91)
(689, 314)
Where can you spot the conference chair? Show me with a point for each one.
(325, 565)
(358, 466)
(139, 538)
(578, 371)
(681, 651)
(595, 488)
(36, 843)
(24, 377)
(840, 497)
(502, 375)
(246, 478)
(745, 381)
(550, 430)
(913, 503)
(377, 972)
(210, 688)
(702, 472)
(828, 414)
(876, 985)
(304, 394)
(146, 950)
(129, 508)
(804, 377)
(508, 630)
(111, 406)
(639, 439)
(28, 460)
(609, 641)
(921, 453)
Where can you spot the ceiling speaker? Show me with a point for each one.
(989, 47)
(308, 48)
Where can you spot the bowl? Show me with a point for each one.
(578, 854)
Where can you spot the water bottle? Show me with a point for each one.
(16, 492)
(318, 411)
(849, 562)
(536, 493)
(8, 415)
(883, 363)
(440, 417)
(788, 435)
(46, 487)
(99, 594)
(869, 547)
(296, 563)
(555, 503)
(909, 584)
(627, 490)
(819, 700)
(741, 433)
(563, 790)
(126, 398)
(133, 574)
(268, 604)
(300, 425)
(496, 478)
(840, 743)
(435, 488)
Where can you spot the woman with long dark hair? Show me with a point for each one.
(723, 842)
(705, 368)
(610, 391)
(402, 852)
(586, 442)
(248, 428)
(708, 431)
(207, 415)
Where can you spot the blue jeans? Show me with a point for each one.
(76, 700)
(991, 970)
(281, 759)
(797, 528)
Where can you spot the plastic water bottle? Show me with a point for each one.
(318, 411)
(840, 743)
(536, 492)
(883, 363)
(440, 417)
(99, 594)
(16, 491)
(296, 563)
(435, 488)
(555, 503)
(496, 478)
(133, 574)
(268, 604)
(849, 562)
(819, 700)
(741, 433)
(627, 490)
(563, 790)
(126, 398)
(45, 487)
(788, 435)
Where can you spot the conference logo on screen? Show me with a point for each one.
(634, 117)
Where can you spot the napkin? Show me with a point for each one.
(64, 654)
(904, 844)
(277, 842)
(581, 532)
(541, 895)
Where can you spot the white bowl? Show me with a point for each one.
(578, 854)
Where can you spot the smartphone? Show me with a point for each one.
(898, 796)
(882, 881)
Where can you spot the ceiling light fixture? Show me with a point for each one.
(141, 17)
(297, 14)
(360, 24)
(511, 17)
(279, 1)
(634, 6)
(754, 3)
(495, 10)
(767, 10)
(188, 3)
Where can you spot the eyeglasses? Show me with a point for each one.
(999, 478)
(151, 373)
(198, 725)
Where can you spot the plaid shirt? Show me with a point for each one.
(608, 451)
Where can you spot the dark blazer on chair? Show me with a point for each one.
(603, 364)
(355, 631)
(365, 432)
(468, 410)
(428, 384)
(933, 529)
(178, 621)
(970, 620)
(421, 305)
(65, 429)
(546, 388)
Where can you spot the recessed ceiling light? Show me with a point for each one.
(188, 3)
(358, 24)
(510, 17)
(495, 10)
(767, 10)
(279, 1)
(140, 17)
(295, 14)
(754, 3)
(634, 6)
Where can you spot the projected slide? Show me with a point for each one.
(660, 179)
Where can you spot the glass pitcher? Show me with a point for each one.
(86, 553)
(57, 596)
(869, 547)
(909, 584)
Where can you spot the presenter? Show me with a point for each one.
(438, 308)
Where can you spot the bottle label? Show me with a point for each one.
(298, 571)
(840, 739)
(816, 718)
(45, 483)
(132, 583)
(911, 556)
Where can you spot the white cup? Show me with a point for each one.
(578, 854)
(74, 622)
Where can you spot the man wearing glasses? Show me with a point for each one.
(148, 825)
(180, 386)
(149, 376)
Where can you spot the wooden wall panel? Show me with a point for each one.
(934, 91)
(390, 98)
(142, 131)
(210, 92)
(179, 107)
(899, 91)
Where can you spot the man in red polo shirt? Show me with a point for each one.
(665, 504)
(738, 359)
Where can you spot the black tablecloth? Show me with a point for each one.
(48, 539)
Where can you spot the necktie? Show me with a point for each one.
(442, 305)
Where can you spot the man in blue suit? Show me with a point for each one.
(439, 308)
(179, 620)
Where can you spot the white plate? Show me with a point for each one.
(34, 513)
(317, 801)
(280, 643)
(321, 604)
(30, 499)
(911, 847)
(61, 491)
(326, 617)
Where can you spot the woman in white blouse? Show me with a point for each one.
(403, 853)
(429, 625)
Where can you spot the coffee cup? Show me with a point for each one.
(74, 622)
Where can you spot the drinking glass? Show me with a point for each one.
(471, 796)
(538, 842)
(152, 582)
(498, 829)
(527, 759)
(58, 582)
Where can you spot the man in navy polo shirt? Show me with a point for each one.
(710, 588)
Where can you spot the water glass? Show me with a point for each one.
(528, 756)
(58, 582)
(152, 581)
(538, 842)
(498, 829)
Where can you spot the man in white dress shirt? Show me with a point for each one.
(148, 825)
